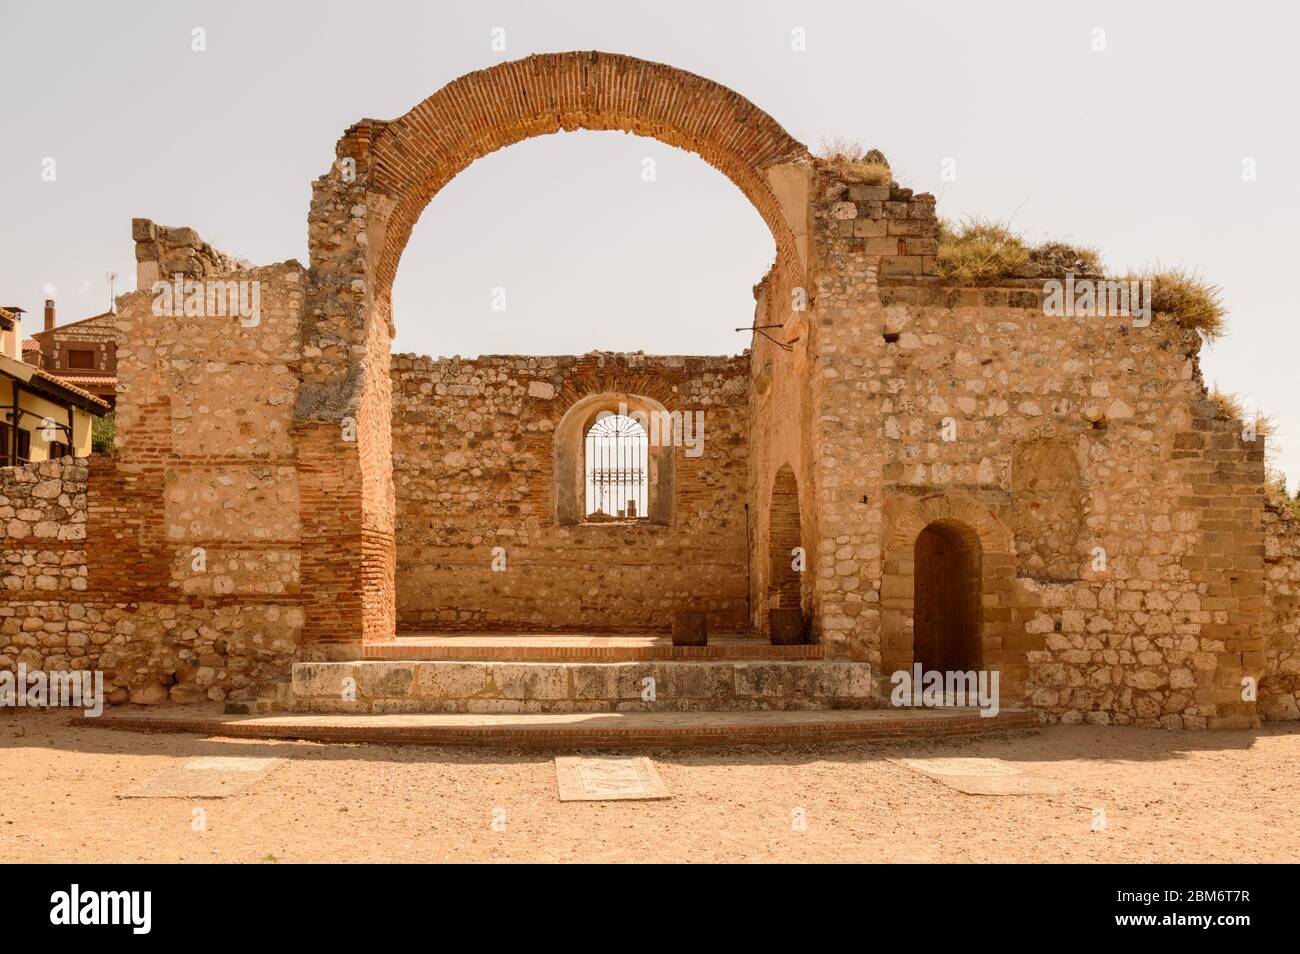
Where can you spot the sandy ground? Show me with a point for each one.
(1186, 797)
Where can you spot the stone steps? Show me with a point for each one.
(560, 732)
(457, 686)
(575, 647)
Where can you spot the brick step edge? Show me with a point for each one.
(570, 737)
(722, 653)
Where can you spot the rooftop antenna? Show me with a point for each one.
(112, 298)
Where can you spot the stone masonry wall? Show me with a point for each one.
(163, 252)
(779, 431)
(925, 393)
(857, 231)
(43, 530)
(186, 586)
(473, 449)
(1279, 691)
(43, 526)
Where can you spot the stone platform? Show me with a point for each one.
(578, 647)
(449, 686)
(578, 731)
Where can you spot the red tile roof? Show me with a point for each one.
(28, 373)
(85, 380)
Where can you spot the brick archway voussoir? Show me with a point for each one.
(410, 158)
(994, 536)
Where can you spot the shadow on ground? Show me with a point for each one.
(21, 729)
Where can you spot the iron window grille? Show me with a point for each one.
(617, 469)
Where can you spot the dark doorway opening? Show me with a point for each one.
(785, 581)
(946, 620)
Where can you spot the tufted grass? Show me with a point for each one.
(853, 162)
(979, 250)
(1231, 408)
(1188, 299)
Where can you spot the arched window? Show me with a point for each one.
(617, 469)
(608, 464)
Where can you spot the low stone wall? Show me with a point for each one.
(43, 529)
(43, 526)
(84, 588)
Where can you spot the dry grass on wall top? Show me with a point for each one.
(853, 162)
(1187, 298)
(980, 251)
(1275, 490)
(1231, 409)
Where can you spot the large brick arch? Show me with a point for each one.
(413, 157)
(362, 213)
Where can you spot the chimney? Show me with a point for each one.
(49, 314)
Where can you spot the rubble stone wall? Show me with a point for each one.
(474, 468)
(1137, 595)
(161, 253)
(172, 565)
(1279, 691)
(43, 526)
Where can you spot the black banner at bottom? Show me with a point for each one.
(335, 903)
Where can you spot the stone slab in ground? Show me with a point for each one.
(975, 776)
(212, 777)
(590, 779)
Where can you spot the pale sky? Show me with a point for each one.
(1137, 150)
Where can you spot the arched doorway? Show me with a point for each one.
(362, 214)
(784, 536)
(947, 609)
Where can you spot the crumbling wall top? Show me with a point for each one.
(162, 252)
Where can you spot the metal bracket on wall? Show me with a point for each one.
(786, 345)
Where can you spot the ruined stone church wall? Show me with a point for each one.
(778, 430)
(1279, 690)
(186, 585)
(474, 470)
(857, 232)
(926, 390)
(1146, 605)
